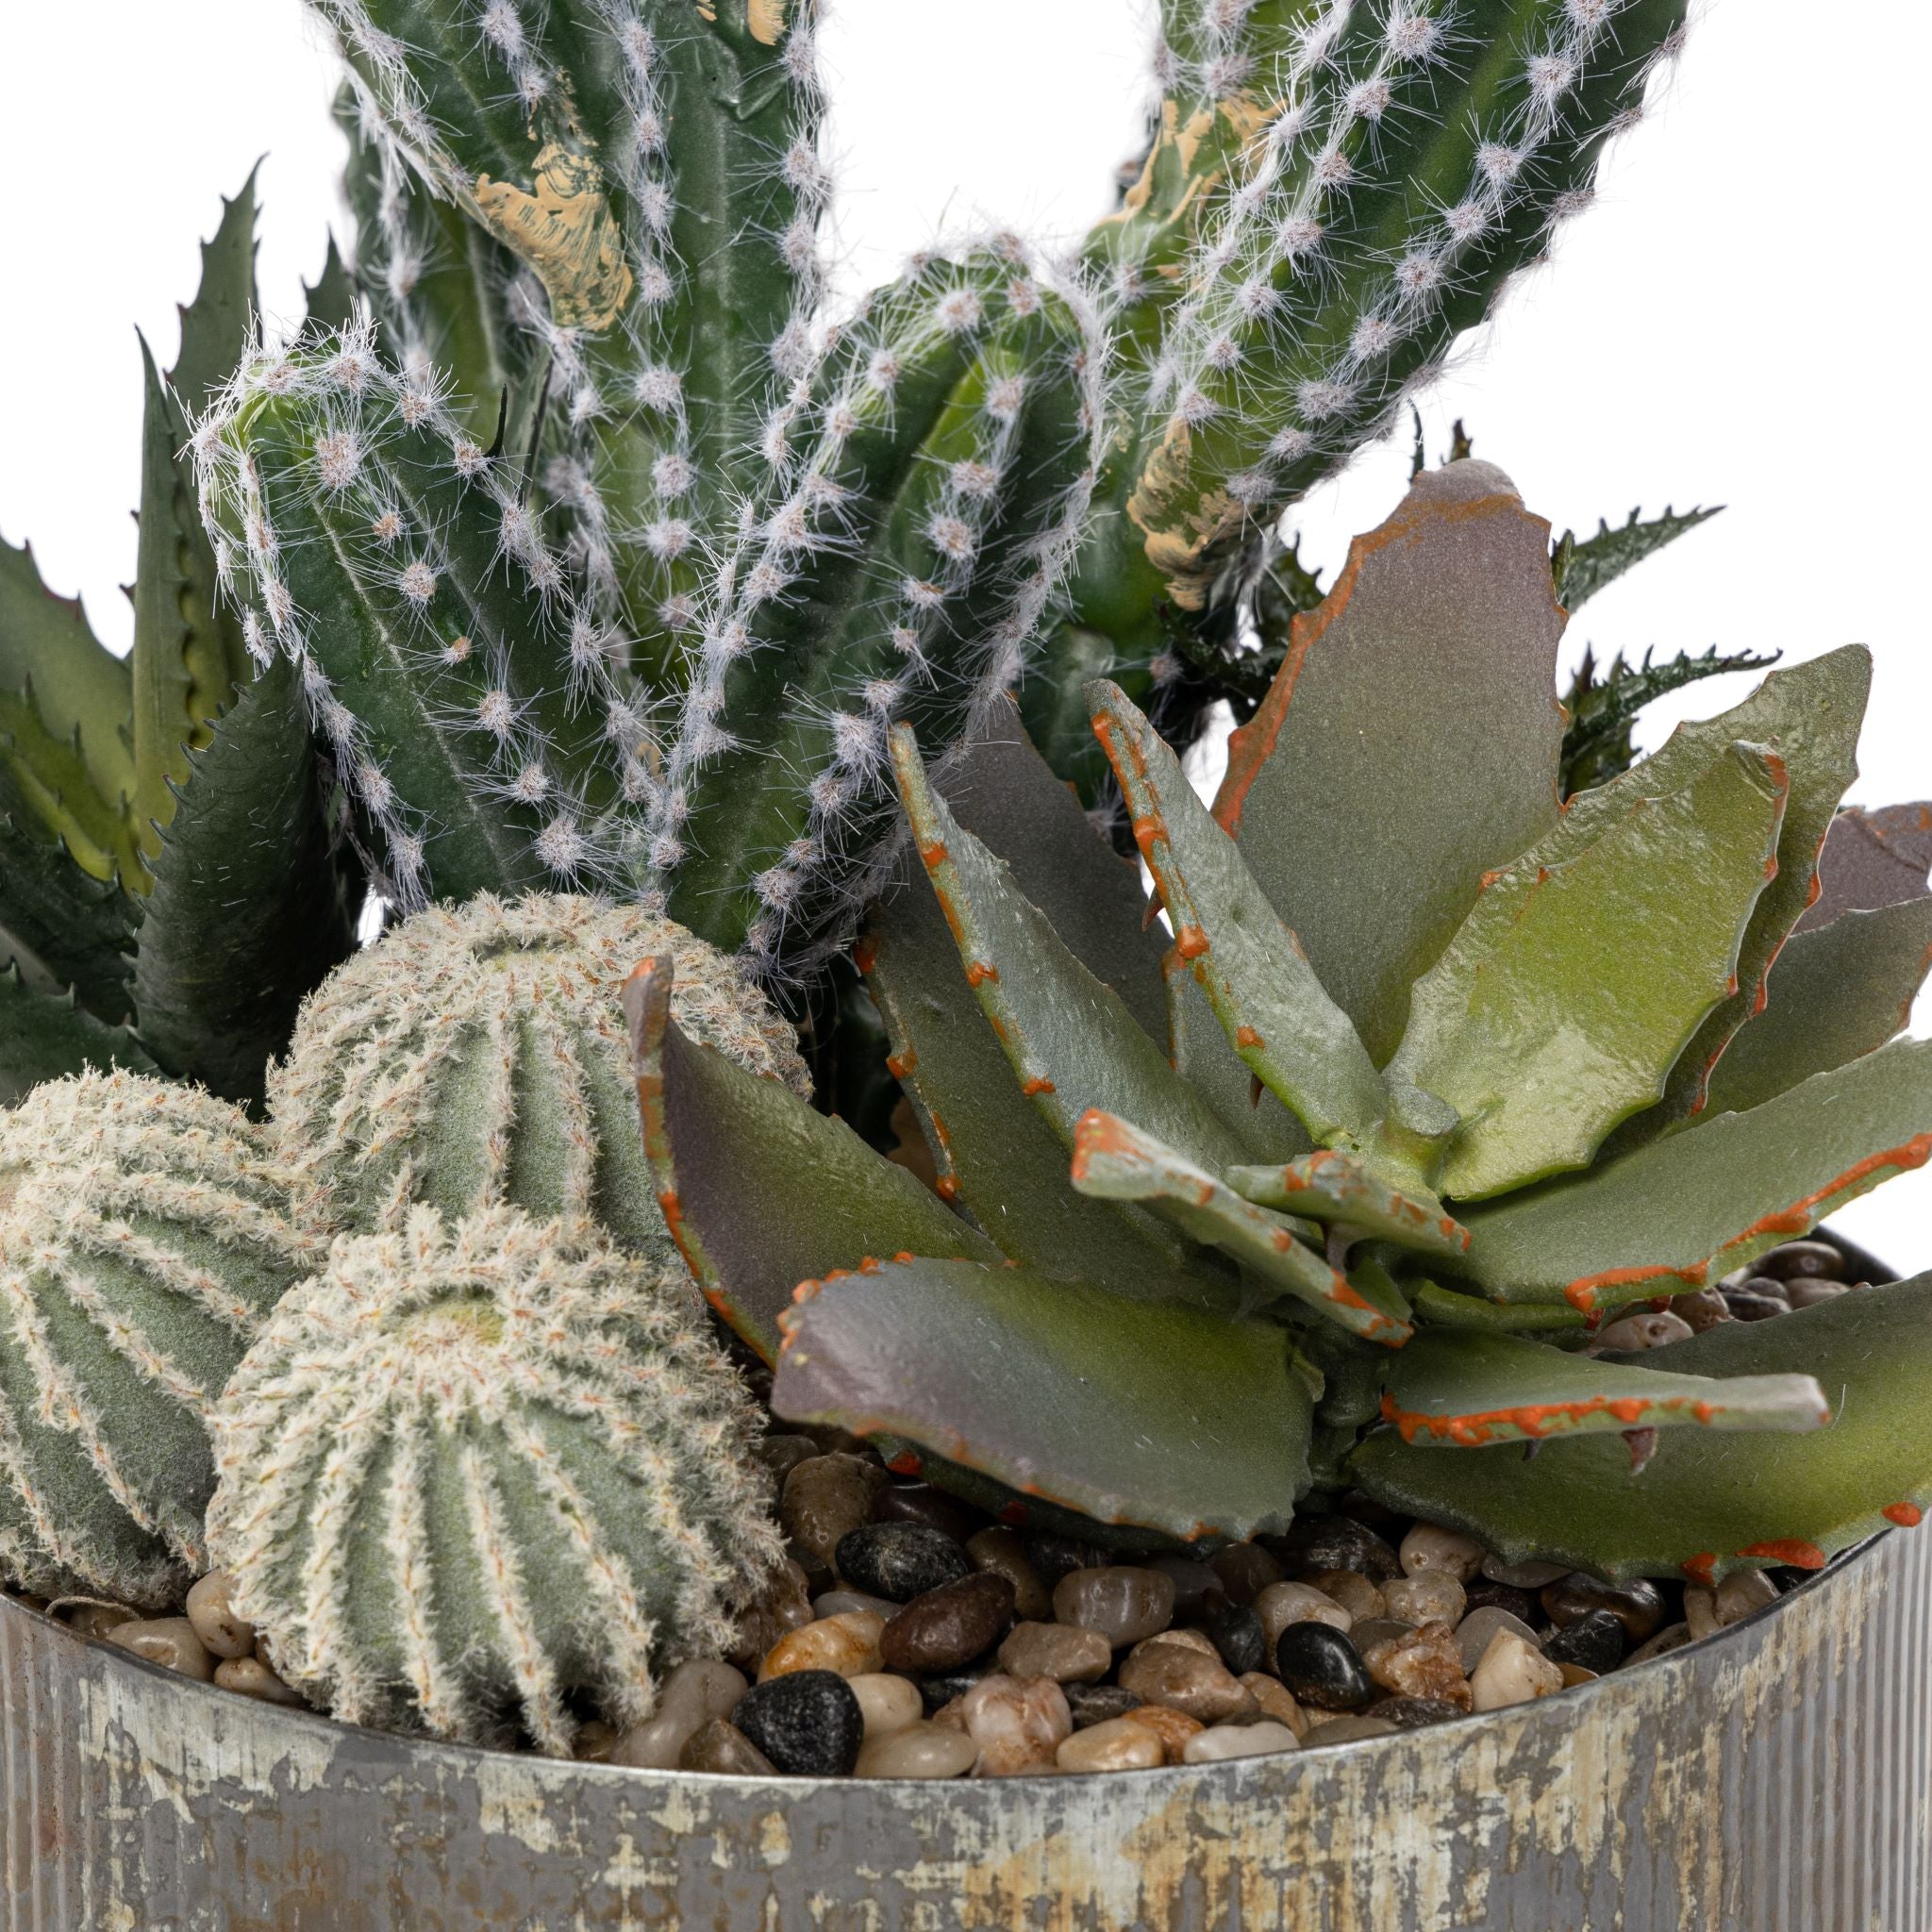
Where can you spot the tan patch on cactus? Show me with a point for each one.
(563, 228)
(766, 19)
(1177, 538)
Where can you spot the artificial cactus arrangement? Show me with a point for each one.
(576, 589)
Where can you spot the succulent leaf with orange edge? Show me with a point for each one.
(1492, 1018)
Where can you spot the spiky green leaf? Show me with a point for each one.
(218, 326)
(1603, 703)
(1582, 567)
(330, 298)
(76, 930)
(1130, 1411)
(1709, 1503)
(46, 1035)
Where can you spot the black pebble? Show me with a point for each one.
(1595, 1641)
(1321, 1667)
(900, 1561)
(1095, 1704)
(808, 1722)
(1521, 1604)
(1411, 1713)
(940, 1689)
(1747, 1304)
(1054, 1556)
(1337, 1543)
(1237, 1634)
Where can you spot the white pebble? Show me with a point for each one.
(886, 1703)
(1429, 1547)
(1239, 1740)
(1512, 1672)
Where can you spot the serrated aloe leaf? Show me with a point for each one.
(1690, 1207)
(1069, 1038)
(248, 913)
(46, 1035)
(189, 658)
(1872, 857)
(1582, 566)
(1409, 743)
(76, 929)
(1278, 1015)
(760, 1190)
(1809, 714)
(1563, 1002)
(1836, 992)
(218, 326)
(1466, 1391)
(1602, 706)
(1709, 1503)
(64, 705)
(1113, 1160)
(995, 1154)
(1332, 1185)
(1204, 1057)
(1142, 1412)
(330, 298)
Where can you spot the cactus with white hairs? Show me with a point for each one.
(466, 1479)
(146, 1233)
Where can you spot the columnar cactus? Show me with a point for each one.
(1432, 1095)
(145, 1234)
(465, 1480)
(479, 1055)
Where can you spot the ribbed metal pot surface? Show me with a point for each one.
(1774, 1778)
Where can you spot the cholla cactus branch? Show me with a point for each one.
(465, 1479)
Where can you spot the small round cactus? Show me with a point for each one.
(473, 1482)
(478, 1055)
(145, 1234)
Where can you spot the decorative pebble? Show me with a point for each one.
(1117, 1744)
(694, 1693)
(1063, 1652)
(1636, 1604)
(948, 1687)
(1595, 1641)
(784, 1604)
(1672, 1637)
(1512, 1672)
(836, 1602)
(1184, 1680)
(251, 1677)
(951, 1626)
(1434, 1596)
(900, 1561)
(1237, 1634)
(781, 1455)
(826, 1498)
(592, 1745)
(916, 1750)
(1806, 1293)
(720, 1747)
(808, 1722)
(93, 1618)
(1055, 1555)
(952, 1715)
(1099, 1704)
(1429, 1547)
(1016, 1723)
(1282, 1603)
(848, 1645)
(1653, 1328)
(1339, 1543)
(1707, 1611)
(170, 1641)
(1121, 1601)
(999, 1552)
(1522, 1575)
(1347, 1730)
(222, 1632)
(1757, 1301)
(1575, 1675)
(1261, 1740)
(924, 1503)
(1273, 1698)
(1197, 1589)
(1373, 1630)
(1521, 1604)
(1197, 1640)
(1352, 1590)
(1701, 1311)
(1478, 1631)
(1321, 1667)
(1172, 1727)
(886, 1703)
(1424, 1663)
(1412, 1713)
(1796, 1261)
(1245, 1569)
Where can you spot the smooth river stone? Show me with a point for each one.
(1124, 1602)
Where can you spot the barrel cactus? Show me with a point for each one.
(470, 1485)
(479, 1055)
(145, 1234)
(1333, 1182)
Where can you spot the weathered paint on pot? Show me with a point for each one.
(1777, 1777)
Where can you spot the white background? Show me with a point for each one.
(1741, 318)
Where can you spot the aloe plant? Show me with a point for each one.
(1332, 1181)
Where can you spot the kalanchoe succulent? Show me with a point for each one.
(479, 1055)
(145, 1234)
(466, 1481)
(1438, 1082)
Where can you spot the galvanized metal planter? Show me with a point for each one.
(1776, 1777)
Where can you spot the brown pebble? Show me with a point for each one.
(1635, 1605)
(923, 1503)
(922, 1749)
(781, 1455)
(1121, 1601)
(1196, 1588)
(1172, 1727)
(1245, 1569)
(1701, 1311)
(1064, 1652)
(1652, 1328)
(1117, 1744)
(1347, 1730)
(1184, 1680)
(1352, 1590)
(248, 1676)
(93, 1619)
(1796, 1261)
(999, 1552)
(170, 1641)
(1016, 1723)
(719, 1746)
(212, 1613)
(848, 1645)
(1273, 1699)
(1424, 1663)
(692, 1693)
(950, 1626)
(1382, 1630)
(784, 1604)
(591, 1744)
(1187, 1639)
(826, 1497)
(1807, 1293)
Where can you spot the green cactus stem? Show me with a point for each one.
(467, 1482)
(145, 1234)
